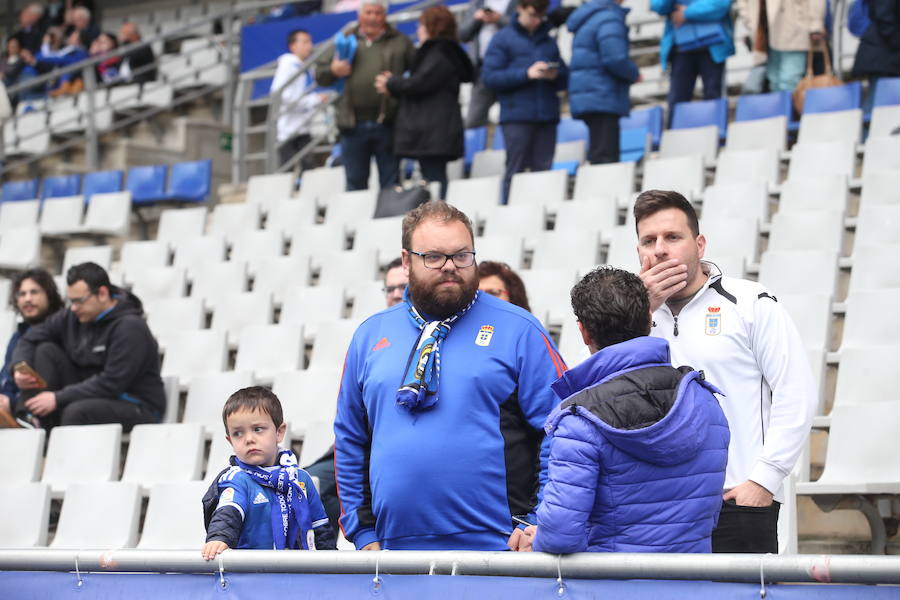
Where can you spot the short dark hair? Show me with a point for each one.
(397, 262)
(92, 274)
(293, 34)
(438, 211)
(46, 282)
(253, 398)
(514, 285)
(539, 6)
(440, 23)
(613, 306)
(652, 201)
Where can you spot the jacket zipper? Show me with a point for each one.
(675, 317)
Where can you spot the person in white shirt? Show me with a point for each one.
(737, 333)
(298, 100)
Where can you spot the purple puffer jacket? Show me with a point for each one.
(636, 464)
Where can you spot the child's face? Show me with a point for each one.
(254, 437)
(302, 46)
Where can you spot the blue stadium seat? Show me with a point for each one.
(102, 182)
(61, 185)
(498, 143)
(632, 144)
(887, 91)
(26, 189)
(190, 181)
(763, 106)
(147, 184)
(571, 130)
(700, 114)
(476, 141)
(830, 99)
(650, 119)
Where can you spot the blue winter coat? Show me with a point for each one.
(707, 11)
(601, 71)
(637, 457)
(505, 70)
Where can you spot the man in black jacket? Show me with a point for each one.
(137, 65)
(98, 359)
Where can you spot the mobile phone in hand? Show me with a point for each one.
(552, 65)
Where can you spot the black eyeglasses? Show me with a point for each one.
(79, 301)
(390, 289)
(437, 260)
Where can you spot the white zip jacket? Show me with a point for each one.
(298, 101)
(748, 346)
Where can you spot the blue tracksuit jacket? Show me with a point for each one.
(699, 11)
(450, 477)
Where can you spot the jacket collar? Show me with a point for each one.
(714, 275)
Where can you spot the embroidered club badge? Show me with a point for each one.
(484, 335)
(713, 320)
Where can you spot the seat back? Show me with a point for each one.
(115, 505)
(235, 312)
(684, 174)
(109, 213)
(817, 230)
(651, 118)
(261, 189)
(147, 183)
(831, 99)
(190, 181)
(164, 454)
(485, 189)
(182, 223)
(62, 215)
(540, 187)
(26, 189)
(757, 134)
(308, 396)
(751, 107)
(174, 519)
(885, 119)
(861, 440)
(101, 255)
(329, 350)
(865, 324)
(86, 454)
(701, 113)
(195, 353)
(206, 395)
(23, 213)
(799, 271)
(26, 510)
(475, 141)
(27, 446)
(687, 142)
(61, 185)
(838, 126)
(887, 92)
(266, 350)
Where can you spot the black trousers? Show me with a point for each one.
(288, 149)
(604, 137)
(747, 529)
(324, 470)
(55, 367)
(434, 168)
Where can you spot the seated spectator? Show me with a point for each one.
(139, 64)
(30, 32)
(524, 68)
(35, 297)
(429, 123)
(638, 448)
(13, 70)
(74, 51)
(99, 359)
(108, 70)
(81, 19)
(498, 279)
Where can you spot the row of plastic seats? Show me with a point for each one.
(105, 214)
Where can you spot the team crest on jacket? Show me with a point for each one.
(484, 335)
(713, 320)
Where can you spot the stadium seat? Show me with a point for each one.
(485, 189)
(381, 236)
(348, 268)
(192, 252)
(27, 446)
(701, 113)
(117, 505)
(866, 375)
(368, 299)
(256, 247)
(102, 182)
(487, 163)
(138, 255)
(887, 92)
(601, 213)
(758, 134)
(20, 190)
(267, 189)
(475, 141)
(349, 208)
(277, 275)
(236, 311)
(810, 311)
(498, 143)
(109, 214)
(687, 142)
(751, 107)
(571, 130)
(159, 283)
(882, 154)
(287, 216)
(20, 248)
(874, 266)
(885, 120)
(206, 396)
(174, 519)
(799, 271)
(26, 506)
(506, 248)
(86, 454)
(539, 187)
(748, 199)
(837, 126)
(684, 174)
(865, 322)
(611, 181)
(189, 181)
(319, 438)
(169, 317)
(734, 236)
(316, 243)
(523, 220)
(317, 186)
(748, 166)
(230, 220)
(194, 353)
(61, 185)
(548, 292)
(622, 248)
(329, 350)
(101, 255)
(879, 187)
(830, 99)
(220, 451)
(579, 246)
(807, 230)
(164, 454)
(213, 280)
(651, 118)
(147, 183)
(266, 350)
(877, 222)
(180, 224)
(61, 216)
(308, 396)
(825, 192)
(822, 158)
(23, 213)
(634, 144)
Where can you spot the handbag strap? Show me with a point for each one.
(809, 59)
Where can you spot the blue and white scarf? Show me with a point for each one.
(291, 522)
(423, 369)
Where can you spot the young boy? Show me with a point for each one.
(264, 500)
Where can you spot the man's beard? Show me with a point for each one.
(36, 319)
(441, 303)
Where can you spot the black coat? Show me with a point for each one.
(878, 54)
(429, 122)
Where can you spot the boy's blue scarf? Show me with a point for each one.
(291, 523)
(423, 369)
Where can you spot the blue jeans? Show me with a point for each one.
(686, 67)
(359, 145)
(528, 146)
(784, 69)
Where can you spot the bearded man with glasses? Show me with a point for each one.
(439, 428)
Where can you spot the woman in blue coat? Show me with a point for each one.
(601, 73)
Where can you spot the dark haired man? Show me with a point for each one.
(445, 461)
(638, 448)
(741, 337)
(395, 281)
(99, 359)
(35, 297)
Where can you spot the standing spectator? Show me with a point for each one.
(429, 123)
(138, 64)
(445, 461)
(524, 67)
(83, 21)
(483, 19)
(30, 33)
(696, 42)
(878, 54)
(736, 332)
(14, 69)
(35, 297)
(298, 101)
(99, 359)
(499, 280)
(601, 74)
(365, 118)
(783, 30)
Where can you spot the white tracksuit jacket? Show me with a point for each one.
(748, 346)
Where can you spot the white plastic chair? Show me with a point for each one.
(262, 189)
(811, 313)
(381, 236)
(177, 224)
(540, 187)
(60, 216)
(838, 126)
(317, 186)
(290, 216)
(881, 154)
(308, 396)
(809, 194)
(256, 247)
(26, 510)
(235, 312)
(174, 519)
(747, 166)
(214, 280)
(138, 255)
(866, 323)
(207, 395)
(822, 158)
(20, 248)
(684, 174)
(115, 505)
(485, 189)
(26, 446)
(329, 350)
(885, 119)
(758, 133)
(82, 454)
(821, 230)
(278, 275)
(230, 220)
(876, 224)
(343, 269)
(194, 353)
(600, 214)
(193, 252)
(307, 305)
(101, 255)
(486, 163)
(566, 247)
(269, 349)
(159, 283)
(748, 199)
(109, 214)
(164, 454)
(799, 271)
(690, 141)
(614, 180)
(23, 213)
